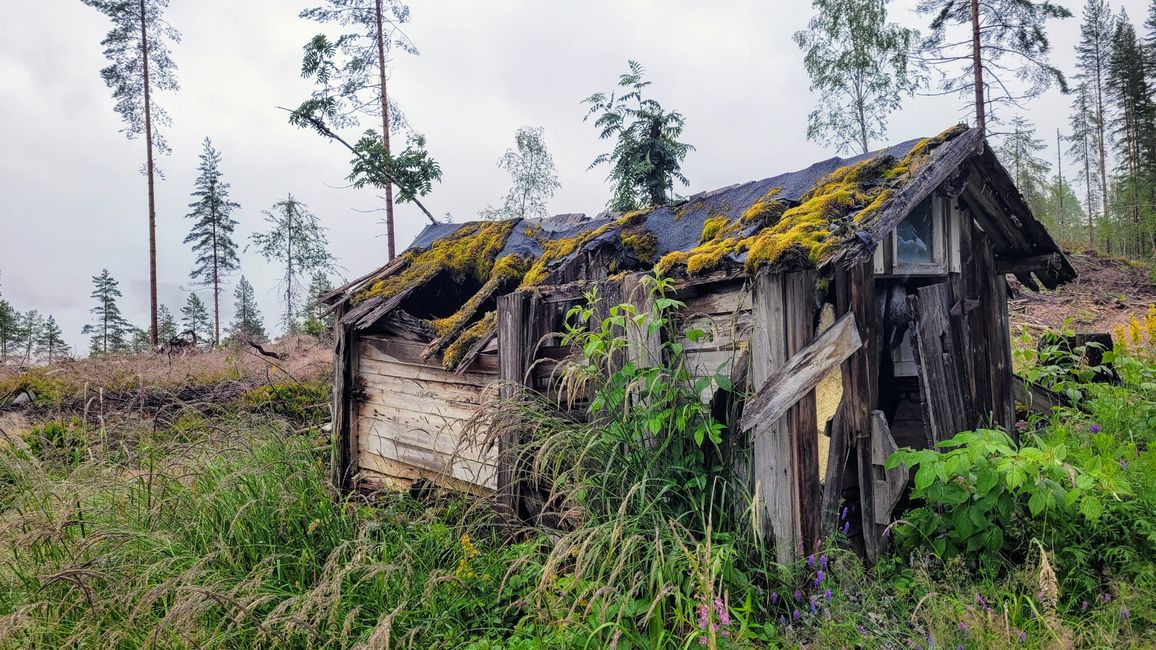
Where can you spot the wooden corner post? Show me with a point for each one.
(516, 312)
(784, 452)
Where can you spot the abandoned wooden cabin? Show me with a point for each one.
(861, 304)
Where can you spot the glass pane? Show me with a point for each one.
(915, 236)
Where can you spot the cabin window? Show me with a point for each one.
(919, 239)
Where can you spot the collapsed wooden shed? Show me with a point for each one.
(861, 302)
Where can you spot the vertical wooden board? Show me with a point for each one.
(343, 445)
(769, 443)
(803, 433)
(643, 348)
(939, 362)
(1002, 371)
(515, 350)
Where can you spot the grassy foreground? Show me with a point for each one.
(202, 523)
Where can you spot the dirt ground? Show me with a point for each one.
(1108, 292)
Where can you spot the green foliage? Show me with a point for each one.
(212, 232)
(858, 63)
(300, 402)
(110, 331)
(296, 241)
(195, 318)
(247, 322)
(413, 170)
(647, 155)
(532, 175)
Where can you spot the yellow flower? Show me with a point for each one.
(1135, 330)
(1121, 337)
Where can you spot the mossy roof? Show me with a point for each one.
(837, 208)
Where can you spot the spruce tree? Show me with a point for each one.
(195, 318)
(166, 324)
(140, 63)
(296, 241)
(50, 345)
(1020, 154)
(109, 330)
(1133, 126)
(647, 156)
(1093, 53)
(858, 63)
(1000, 45)
(247, 322)
(1083, 148)
(212, 233)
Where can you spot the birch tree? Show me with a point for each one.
(297, 242)
(858, 64)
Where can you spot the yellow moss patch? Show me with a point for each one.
(642, 245)
(474, 333)
(766, 209)
(468, 252)
(557, 249)
(507, 271)
(875, 205)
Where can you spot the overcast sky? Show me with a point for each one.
(74, 202)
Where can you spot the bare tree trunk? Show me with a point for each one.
(389, 236)
(977, 63)
(216, 285)
(1060, 184)
(1101, 136)
(144, 39)
(1088, 192)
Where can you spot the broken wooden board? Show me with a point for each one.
(888, 484)
(802, 373)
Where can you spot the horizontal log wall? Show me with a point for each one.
(408, 418)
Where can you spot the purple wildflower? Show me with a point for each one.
(823, 561)
(847, 528)
(819, 579)
(1022, 636)
(963, 628)
(813, 608)
(930, 641)
(843, 517)
(887, 532)
(795, 615)
(774, 597)
(860, 629)
(1125, 614)
(1084, 606)
(810, 560)
(1095, 428)
(827, 595)
(702, 640)
(798, 595)
(782, 620)
(720, 608)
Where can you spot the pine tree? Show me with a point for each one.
(1000, 45)
(195, 319)
(647, 155)
(1083, 148)
(140, 63)
(358, 84)
(317, 318)
(30, 325)
(166, 324)
(1133, 127)
(50, 344)
(1020, 154)
(296, 240)
(858, 63)
(532, 174)
(212, 233)
(1092, 58)
(109, 329)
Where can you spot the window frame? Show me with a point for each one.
(940, 241)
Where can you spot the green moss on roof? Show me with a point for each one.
(482, 329)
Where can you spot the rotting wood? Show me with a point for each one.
(344, 449)
(1036, 398)
(939, 363)
(1032, 263)
(784, 458)
(802, 373)
(888, 485)
(516, 342)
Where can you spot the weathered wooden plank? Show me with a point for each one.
(799, 294)
(643, 347)
(396, 360)
(771, 450)
(390, 474)
(467, 393)
(434, 463)
(516, 342)
(343, 459)
(939, 363)
(888, 484)
(802, 372)
(443, 441)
